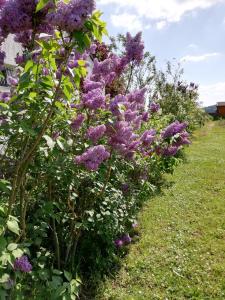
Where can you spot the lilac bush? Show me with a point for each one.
(82, 149)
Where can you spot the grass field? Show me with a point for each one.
(181, 252)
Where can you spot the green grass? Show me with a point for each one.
(181, 252)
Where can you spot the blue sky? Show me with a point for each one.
(192, 31)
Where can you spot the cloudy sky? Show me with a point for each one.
(192, 31)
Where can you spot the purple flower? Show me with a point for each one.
(154, 107)
(91, 85)
(116, 103)
(45, 71)
(95, 133)
(5, 97)
(76, 123)
(148, 137)
(134, 48)
(137, 96)
(145, 116)
(93, 157)
(173, 129)
(118, 243)
(72, 15)
(126, 239)
(170, 151)
(130, 115)
(125, 188)
(22, 264)
(12, 81)
(137, 122)
(94, 99)
(20, 59)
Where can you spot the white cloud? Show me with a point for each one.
(128, 21)
(160, 25)
(161, 10)
(198, 58)
(192, 46)
(212, 93)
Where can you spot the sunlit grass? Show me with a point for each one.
(181, 252)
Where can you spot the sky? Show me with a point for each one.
(190, 31)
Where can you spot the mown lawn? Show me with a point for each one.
(181, 252)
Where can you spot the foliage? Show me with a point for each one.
(78, 157)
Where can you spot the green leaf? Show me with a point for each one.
(12, 246)
(41, 4)
(17, 253)
(60, 144)
(5, 277)
(57, 272)
(13, 226)
(50, 142)
(5, 185)
(28, 65)
(68, 275)
(4, 105)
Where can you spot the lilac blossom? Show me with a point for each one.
(137, 122)
(130, 115)
(134, 48)
(118, 243)
(71, 16)
(12, 81)
(183, 139)
(77, 122)
(125, 188)
(173, 129)
(20, 59)
(95, 133)
(94, 99)
(126, 239)
(148, 137)
(154, 107)
(170, 151)
(5, 97)
(93, 157)
(91, 85)
(145, 116)
(115, 104)
(137, 96)
(22, 264)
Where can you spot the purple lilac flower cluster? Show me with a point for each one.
(93, 157)
(19, 17)
(154, 107)
(173, 129)
(134, 47)
(127, 112)
(71, 16)
(95, 133)
(22, 264)
(177, 132)
(77, 122)
(125, 239)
